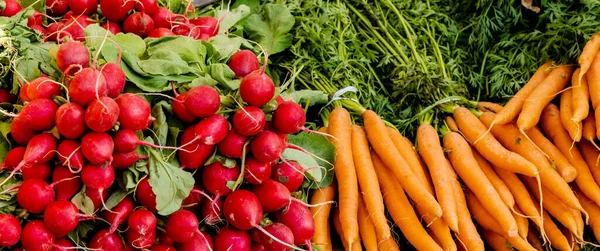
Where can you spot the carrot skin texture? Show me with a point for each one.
(589, 128)
(597, 118)
(590, 50)
(337, 225)
(451, 124)
(496, 242)
(366, 227)
(590, 170)
(468, 235)
(580, 97)
(563, 166)
(489, 107)
(322, 238)
(534, 240)
(406, 150)
(593, 80)
(566, 116)
(522, 223)
(594, 210)
(498, 184)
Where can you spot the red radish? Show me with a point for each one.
(243, 217)
(267, 146)
(36, 237)
(116, 10)
(38, 171)
(42, 87)
(138, 23)
(70, 14)
(35, 19)
(142, 229)
(86, 86)
(249, 120)
(119, 214)
(232, 145)
(113, 28)
(216, 176)
(135, 111)
(7, 97)
(70, 120)
(202, 101)
(200, 241)
(34, 195)
(193, 154)
(57, 8)
(212, 211)
(126, 160)
(147, 6)
(127, 141)
(83, 7)
(61, 217)
(38, 28)
(194, 201)
(299, 219)
(258, 247)
(20, 132)
(289, 118)
(290, 174)
(272, 195)
(40, 149)
(104, 240)
(70, 155)
(161, 32)
(207, 25)
(255, 234)
(23, 93)
(164, 239)
(69, 184)
(114, 76)
(163, 18)
(281, 232)
(162, 247)
(13, 158)
(188, 30)
(179, 109)
(97, 147)
(75, 25)
(243, 62)
(102, 114)
(72, 53)
(181, 225)
(257, 88)
(38, 114)
(10, 228)
(11, 8)
(256, 172)
(212, 130)
(97, 177)
(145, 195)
(228, 238)
(62, 244)
(97, 196)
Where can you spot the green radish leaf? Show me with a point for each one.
(224, 75)
(81, 233)
(159, 125)
(83, 202)
(5, 144)
(116, 198)
(306, 161)
(202, 80)
(165, 63)
(272, 32)
(225, 45)
(190, 50)
(303, 96)
(232, 17)
(39, 5)
(319, 146)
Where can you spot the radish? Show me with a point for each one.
(83, 7)
(257, 247)
(216, 176)
(202, 101)
(256, 172)
(281, 232)
(75, 25)
(23, 93)
(289, 174)
(232, 145)
(161, 32)
(299, 219)
(55, 33)
(10, 228)
(86, 86)
(163, 238)
(61, 217)
(126, 160)
(97, 196)
(147, 6)
(272, 195)
(162, 247)
(163, 18)
(35, 19)
(181, 225)
(267, 146)
(145, 195)
(97, 177)
(138, 23)
(97, 147)
(212, 130)
(193, 154)
(11, 8)
(34, 195)
(127, 141)
(57, 8)
(289, 118)
(38, 115)
(257, 88)
(114, 29)
(243, 62)
(212, 211)
(208, 25)
(36, 237)
(116, 10)
(194, 200)
(249, 120)
(104, 240)
(179, 108)
(7, 97)
(20, 132)
(39, 29)
(70, 121)
(200, 241)
(70, 155)
(72, 53)
(37, 171)
(62, 244)
(40, 149)
(115, 78)
(69, 184)
(142, 229)
(228, 238)
(135, 111)
(119, 214)
(102, 114)
(13, 158)
(254, 234)
(42, 87)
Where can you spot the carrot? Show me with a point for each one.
(580, 97)
(597, 118)
(489, 147)
(570, 238)
(589, 128)
(468, 170)
(337, 225)
(510, 136)
(322, 237)
(593, 80)
(521, 195)
(578, 222)
(400, 208)
(496, 242)
(554, 234)
(498, 184)
(407, 151)
(513, 107)
(590, 170)
(433, 155)
(388, 245)
(558, 160)
(542, 95)
(566, 116)
(593, 209)
(489, 107)
(522, 222)
(366, 227)
(340, 127)
(451, 123)
(468, 237)
(385, 148)
(534, 239)
(590, 50)
(367, 181)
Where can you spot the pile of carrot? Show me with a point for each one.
(520, 176)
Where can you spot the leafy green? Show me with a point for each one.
(272, 32)
(232, 17)
(83, 202)
(319, 171)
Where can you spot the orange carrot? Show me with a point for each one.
(534, 238)
(340, 127)
(590, 170)
(468, 170)
(400, 208)
(597, 118)
(521, 195)
(590, 50)
(337, 225)
(497, 242)
(433, 155)
(468, 237)
(566, 116)
(580, 97)
(593, 209)
(485, 106)
(578, 222)
(589, 128)
(593, 80)
(554, 234)
(522, 222)
(542, 95)
(385, 148)
(406, 150)
(498, 184)
(451, 124)
(388, 245)
(558, 160)
(513, 107)
(322, 237)
(366, 227)
(570, 238)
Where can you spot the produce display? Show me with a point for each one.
(299, 125)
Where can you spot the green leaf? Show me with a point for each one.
(202, 80)
(273, 33)
(306, 161)
(83, 202)
(225, 45)
(5, 145)
(39, 5)
(116, 197)
(160, 126)
(82, 232)
(224, 75)
(302, 96)
(190, 50)
(165, 63)
(319, 146)
(232, 17)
